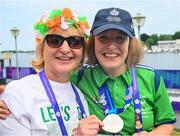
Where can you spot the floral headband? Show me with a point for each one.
(60, 18)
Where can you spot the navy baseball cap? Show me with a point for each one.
(113, 18)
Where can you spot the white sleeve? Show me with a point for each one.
(18, 123)
(11, 126)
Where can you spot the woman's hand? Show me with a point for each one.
(2, 88)
(142, 133)
(4, 111)
(88, 126)
(161, 130)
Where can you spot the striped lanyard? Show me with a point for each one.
(52, 99)
(108, 104)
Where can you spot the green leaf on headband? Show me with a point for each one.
(42, 28)
(55, 13)
(82, 18)
(36, 26)
(72, 22)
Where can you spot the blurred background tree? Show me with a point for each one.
(151, 40)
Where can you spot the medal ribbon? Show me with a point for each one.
(52, 99)
(108, 104)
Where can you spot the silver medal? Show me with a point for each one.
(113, 123)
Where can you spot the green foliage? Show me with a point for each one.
(176, 35)
(150, 42)
(153, 39)
(165, 37)
(144, 37)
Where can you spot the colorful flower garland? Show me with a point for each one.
(60, 18)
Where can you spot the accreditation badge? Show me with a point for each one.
(113, 123)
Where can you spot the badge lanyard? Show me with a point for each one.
(137, 102)
(108, 104)
(52, 99)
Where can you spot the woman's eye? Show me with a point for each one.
(104, 39)
(120, 39)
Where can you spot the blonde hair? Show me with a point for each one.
(38, 62)
(135, 52)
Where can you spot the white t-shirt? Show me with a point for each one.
(32, 113)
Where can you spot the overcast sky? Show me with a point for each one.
(162, 16)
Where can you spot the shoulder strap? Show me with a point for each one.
(156, 79)
(80, 73)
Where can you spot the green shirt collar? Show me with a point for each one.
(101, 76)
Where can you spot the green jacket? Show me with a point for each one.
(155, 103)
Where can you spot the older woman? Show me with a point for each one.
(48, 103)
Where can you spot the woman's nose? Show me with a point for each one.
(65, 47)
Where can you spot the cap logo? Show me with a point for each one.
(114, 12)
(113, 16)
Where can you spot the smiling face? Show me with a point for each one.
(59, 62)
(111, 50)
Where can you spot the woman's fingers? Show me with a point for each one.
(89, 126)
(2, 88)
(3, 116)
(94, 120)
(3, 105)
(4, 111)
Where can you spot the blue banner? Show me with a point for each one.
(171, 78)
(23, 71)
